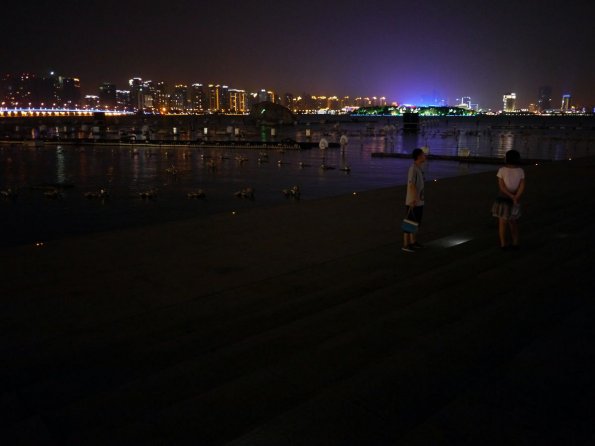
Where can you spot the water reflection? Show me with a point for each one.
(60, 167)
(126, 172)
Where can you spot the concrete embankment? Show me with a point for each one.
(306, 324)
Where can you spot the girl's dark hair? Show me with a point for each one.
(513, 157)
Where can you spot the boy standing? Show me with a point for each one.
(414, 201)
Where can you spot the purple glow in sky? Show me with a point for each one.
(405, 51)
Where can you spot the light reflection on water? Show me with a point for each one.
(220, 172)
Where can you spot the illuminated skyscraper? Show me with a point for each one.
(225, 98)
(123, 99)
(333, 103)
(179, 98)
(136, 93)
(218, 98)
(262, 96)
(29, 90)
(91, 101)
(509, 102)
(466, 101)
(161, 97)
(198, 98)
(149, 96)
(21, 89)
(544, 100)
(237, 101)
(565, 102)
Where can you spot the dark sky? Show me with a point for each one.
(404, 50)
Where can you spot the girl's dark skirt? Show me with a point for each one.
(504, 208)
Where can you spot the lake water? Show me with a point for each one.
(125, 173)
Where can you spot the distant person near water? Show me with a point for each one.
(414, 201)
(507, 206)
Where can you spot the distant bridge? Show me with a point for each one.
(35, 112)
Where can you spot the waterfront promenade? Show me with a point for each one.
(305, 324)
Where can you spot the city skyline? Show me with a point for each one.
(162, 97)
(407, 53)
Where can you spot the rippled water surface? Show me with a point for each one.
(171, 173)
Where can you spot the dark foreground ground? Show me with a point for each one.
(304, 324)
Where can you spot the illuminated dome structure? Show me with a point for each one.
(271, 113)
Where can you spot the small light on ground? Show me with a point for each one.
(233, 212)
(39, 244)
(355, 193)
(450, 241)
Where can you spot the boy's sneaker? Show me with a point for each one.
(407, 249)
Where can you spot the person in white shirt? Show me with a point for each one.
(414, 200)
(507, 206)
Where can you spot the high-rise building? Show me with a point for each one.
(136, 93)
(319, 102)
(362, 102)
(149, 96)
(214, 97)
(225, 98)
(70, 95)
(267, 96)
(91, 101)
(237, 101)
(307, 102)
(218, 98)
(333, 103)
(123, 100)
(466, 102)
(179, 98)
(30, 90)
(544, 99)
(18, 90)
(565, 102)
(107, 95)
(251, 100)
(51, 90)
(381, 101)
(288, 101)
(509, 102)
(142, 94)
(161, 97)
(198, 98)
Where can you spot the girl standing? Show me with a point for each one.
(507, 207)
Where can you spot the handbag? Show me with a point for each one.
(408, 225)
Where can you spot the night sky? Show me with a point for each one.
(410, 52)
